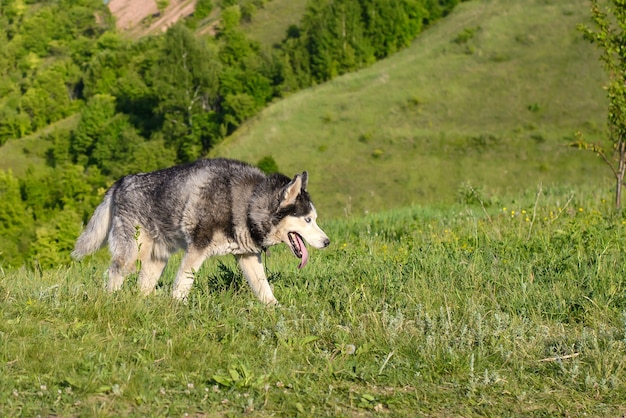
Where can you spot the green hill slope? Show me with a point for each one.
(269, 24)
(491, 95)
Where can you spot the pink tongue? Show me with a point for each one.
(303, 250)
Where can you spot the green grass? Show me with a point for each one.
(506, 306)
(269, 24)
(18, 155)
(491, 95)
(488, 302)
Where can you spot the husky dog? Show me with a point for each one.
(208, 207)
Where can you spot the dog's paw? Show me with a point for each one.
(180, 297)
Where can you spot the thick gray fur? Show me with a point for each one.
(208, 207)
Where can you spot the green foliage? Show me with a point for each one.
(185, 80)
(248, 11)
(465, 36)
(162, 4)
(45, 48)
(152, 155)
(272, 19)
(268, 165)
(53, 95)
(203, 9)
(340, 36)
(246, 82)
(55, 198)
(115, 147)
(109, 141)
(54, 240)
(13, 124)
(231, 16)
(15, 222)
(608, 34)
(440, 129)
(37, 189)
(237, 108)
(95, 116)
(438, 8)
(391, 25)
(145, 104)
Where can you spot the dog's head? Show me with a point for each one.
(297, 218)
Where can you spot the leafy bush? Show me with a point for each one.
(268, 165)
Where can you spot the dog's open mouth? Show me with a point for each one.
(298, 248)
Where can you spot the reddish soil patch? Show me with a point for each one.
(131, 13)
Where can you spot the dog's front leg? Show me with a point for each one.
(192, 261)
(252, 269)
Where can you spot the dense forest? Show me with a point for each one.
(142, 104)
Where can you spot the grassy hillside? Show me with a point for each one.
(269, 24)
(491, 95)
(419, 311)
(18, 155)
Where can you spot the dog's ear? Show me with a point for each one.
(293, 189)
(305, 180)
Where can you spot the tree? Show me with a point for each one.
(186, 83)
(609, 34)
(53, 94)
(203, 9)
(338, 36)
(115, 146)
(94, 118)
(391, 25)
(268, 165)
(54, 240)
(15, 222)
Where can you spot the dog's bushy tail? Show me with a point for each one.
(95, 234)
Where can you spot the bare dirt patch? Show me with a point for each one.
(142, 17)
(176, 10)
(129, 13)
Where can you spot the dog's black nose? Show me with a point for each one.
(326, 242)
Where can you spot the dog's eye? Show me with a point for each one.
(307, 220)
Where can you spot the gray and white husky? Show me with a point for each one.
(208, 207)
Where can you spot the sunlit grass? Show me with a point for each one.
(471, 309)
(498, 110)
(269, 23)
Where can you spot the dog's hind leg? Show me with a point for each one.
(124, 251)
(152, 263)
(191, 263)
(252, 269)
(118, 271)
(151, 269)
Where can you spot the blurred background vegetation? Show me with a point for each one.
(386, 103)
(83, 103)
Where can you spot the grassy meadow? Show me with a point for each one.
(476, 265)
(20, 155)
(491, 95)
(494, 307)
(269, 24)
